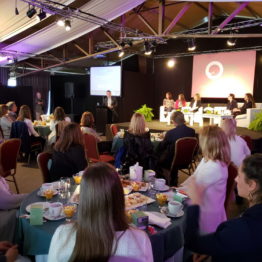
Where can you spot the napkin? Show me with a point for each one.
(158, 219)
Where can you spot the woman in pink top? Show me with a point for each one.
(180, 102)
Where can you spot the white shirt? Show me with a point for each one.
(212, 176)
(239, 150)
(133, 243)
(109, 101)
(30, 127)
(6, 124)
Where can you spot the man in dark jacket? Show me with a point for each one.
(111, 103)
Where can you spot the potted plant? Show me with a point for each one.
(256, 124)
(146, 112)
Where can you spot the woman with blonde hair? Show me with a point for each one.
(69, 154)
(87, 124)
(168, 102)
(195, 102)
(238, 146)
(211, 177)
(137, 144)
(101, 230)
(180, 102)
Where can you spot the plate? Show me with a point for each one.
(136, 200)
(180, 214)
(40, 193)
(45, 206)
(165, 188)
(51, 218)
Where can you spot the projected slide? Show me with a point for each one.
(105, 78)
(217, 75)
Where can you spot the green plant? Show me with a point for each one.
(256, 124)
(146, 112)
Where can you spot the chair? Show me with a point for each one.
(248, 141)
(42, 161)
(244, 120)
(232, 174)
(185, 149)
(114, 129)
(9, 151)
(92, 150)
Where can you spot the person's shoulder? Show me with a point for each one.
(136, 233)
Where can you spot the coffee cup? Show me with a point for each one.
(55, 209)
(174, 207)
(148, 174)
(160, 183)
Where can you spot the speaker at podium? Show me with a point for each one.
(103, 117)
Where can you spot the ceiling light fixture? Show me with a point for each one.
(231, 42)
(10, 60)
(171, 63)
(67, 25)
(60, 22)
(31, 12)
(148, 49)
(41, 15)
(191, 45)
(121, 53)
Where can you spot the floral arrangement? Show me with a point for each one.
(146, 112)
(256, 124)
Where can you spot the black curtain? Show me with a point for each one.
(4, 73)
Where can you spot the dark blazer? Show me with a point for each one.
(231, 105)
(198, 104)
(68, 163)
(236, 240)
(2, 258)
(166, 148)
(114, 101)
(245, 106)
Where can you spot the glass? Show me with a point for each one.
(48, 191)
(77, 179)
(161, 199)
(151, 191)
(69, 211)
(64, 189)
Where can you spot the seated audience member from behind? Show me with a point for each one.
(165, 150)
(111, 103)
(5, 121)
(12, 109)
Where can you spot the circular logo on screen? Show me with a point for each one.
(214, 70)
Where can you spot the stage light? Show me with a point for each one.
(10, 60)
(11, 81)
(191, 45)
(60, 22)
(231, 42)
(121, 53)
(41, 15)
(31, 12)
(148, 50)
(67, 25)
(171, 63)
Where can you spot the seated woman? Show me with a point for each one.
(232, 103)
(211, 177)
(5, 121)
(59, 116)
(249, 102)
(69, 155)
(239, 239)
(195, 103)
(180, 102)
(168, 102)
(238, 146)
(137, 145)
(101, 229)
(9, 203)
(87, 124)
(25, 115)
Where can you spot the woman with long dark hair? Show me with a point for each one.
(180, 102)
(101, 229)
(249, 102)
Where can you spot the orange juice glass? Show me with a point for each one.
(77, 179)
(161, 199)
(48, 193)
(69, 211)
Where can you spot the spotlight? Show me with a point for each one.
(31, 12)
(148, 49)
(41, 15)
(60, 22)
(121, 53)
(11, 81)
(191, 45)
(67, 25)
(10, 60)
(231, 42)
(149, 52)
(171, 63)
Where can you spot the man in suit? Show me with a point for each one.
(165, 150)
(111, 103)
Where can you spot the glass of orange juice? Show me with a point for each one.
(161, 199)
(69, 211)
(77, 179)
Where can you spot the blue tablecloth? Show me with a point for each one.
(35, 240)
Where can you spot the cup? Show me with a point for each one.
(135, 173)
(174, 207)
(148, 174)
(161, 199)
(160, 183)
(55, 209)
(69, 211)
(48, 193)
(77, 179)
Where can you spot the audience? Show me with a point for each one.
(195, 103)
(12, 109)
(87, 124)
(238, 239)
(238, 146)
(232, 103)
(166, 148)
(249, 102)
(101, 229)
(137, 145)
(69, 155)
(168, 102)
(180, 102)
(211, 177)
(5, 121)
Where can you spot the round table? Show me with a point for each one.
(43, 131)
(35, 240)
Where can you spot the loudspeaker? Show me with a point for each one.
(69, 90)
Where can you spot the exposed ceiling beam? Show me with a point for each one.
(161, 16)
(147, 24)
(177, 18)
(220, 9)
(230, 17)
(204, 8)
(56, 58)
(32, 65)
(252, 12)
(111, 38)
(176, 36)
(210, 17)
(80, 48)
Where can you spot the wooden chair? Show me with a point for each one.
(114, 129)
(232, 174)
(185, 149)
(92, 151)
(9, 151)
(42, 161)
(248, 141)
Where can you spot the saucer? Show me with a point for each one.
(164, 188)
(40, 193)
(52, 218)
(180, 214)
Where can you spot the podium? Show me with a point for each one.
(103, 117)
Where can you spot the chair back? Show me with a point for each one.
(185, 149)
(114, 129)
(9, 150)
(42, 161)
(91, 146)
(248, 141)
(232, 174)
